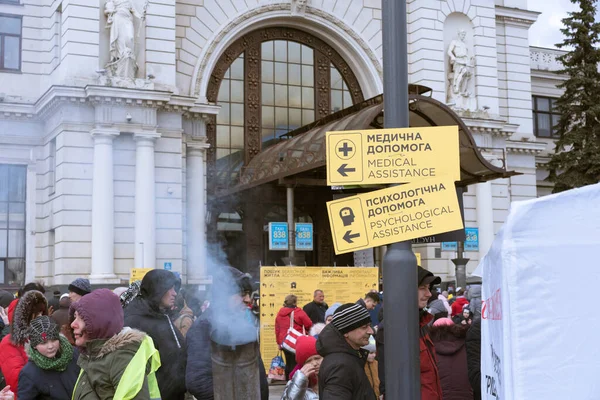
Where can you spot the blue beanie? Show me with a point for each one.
(331, 310)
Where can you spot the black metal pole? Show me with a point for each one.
(401, 316)
(460, 263)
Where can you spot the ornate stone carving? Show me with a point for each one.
(124, 31)
(462, 65)
(262, 9)
(299, 7)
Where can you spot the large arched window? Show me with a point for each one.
(269, 83)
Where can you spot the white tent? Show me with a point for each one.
(540, 318)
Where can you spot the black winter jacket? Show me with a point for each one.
(199, 377)
(474, 357)
(144, 314)
(342, 374)
(316, 312)
(39, 384)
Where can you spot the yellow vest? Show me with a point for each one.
(132, 379)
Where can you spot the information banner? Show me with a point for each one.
(339, 284)
(304, 236)
(399, 213)
(278, 236)
(137, 274)
(392, 155)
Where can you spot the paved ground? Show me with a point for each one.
(275, 392)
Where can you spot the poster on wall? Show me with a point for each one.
(344, 285)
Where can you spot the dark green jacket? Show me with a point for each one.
(106, 361)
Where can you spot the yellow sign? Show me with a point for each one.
(392, 155)
(418, 255)
(424, 208)
(343, 285)
(137, 274)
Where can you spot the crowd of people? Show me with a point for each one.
(341, 352)
(150, 340)
(154, 340)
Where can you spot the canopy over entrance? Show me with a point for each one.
(304, 154)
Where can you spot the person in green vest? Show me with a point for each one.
(115, 362)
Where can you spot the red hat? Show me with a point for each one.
(306, 347)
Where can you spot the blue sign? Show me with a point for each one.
(304, 236)
(168, 266)
(278, 236)
(472, 241)
(449, 246)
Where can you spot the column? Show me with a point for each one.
(145, 200)
(196, 210)
(485, 217)
(290, 221)
(103, 208)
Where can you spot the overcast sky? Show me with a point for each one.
(545, 32)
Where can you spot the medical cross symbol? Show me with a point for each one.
(345, 149)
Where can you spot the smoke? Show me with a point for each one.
(232, 322)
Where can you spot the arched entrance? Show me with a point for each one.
(268, 83)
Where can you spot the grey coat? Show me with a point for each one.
(297, 389)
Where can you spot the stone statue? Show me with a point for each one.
(120, 20)
(462, 65)
(299, 6)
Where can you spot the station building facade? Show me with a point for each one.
(122, 150)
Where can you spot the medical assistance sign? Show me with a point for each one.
(392, 155)
(405, 212)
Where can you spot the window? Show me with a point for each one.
(545, 117)
(230, 122)
(288, 89)
(13, 180)
(10, 43)
(269, 83)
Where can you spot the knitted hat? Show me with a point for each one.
(102, 313)
(331, 310)
(306, 347)
(81, 286)
(41, 330)
(350, 316)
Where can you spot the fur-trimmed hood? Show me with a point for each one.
(31, 303)
(99, 348)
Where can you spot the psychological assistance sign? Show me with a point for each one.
(339, 284)
(392, 155)
(400, 213)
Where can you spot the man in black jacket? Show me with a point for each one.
(342, 374)
(151, 312)
(316, 308)
(230, 315)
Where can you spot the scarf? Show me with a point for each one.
(60, 362)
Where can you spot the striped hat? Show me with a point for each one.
(350, 316)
